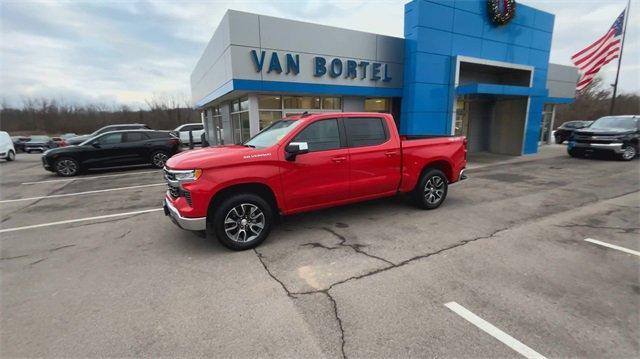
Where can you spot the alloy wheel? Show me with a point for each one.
(629, 153)
(244, 223)
(66, 167)
(159, 159)
(434, 190)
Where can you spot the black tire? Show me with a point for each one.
(630, 152)
(159, 158)
(11, 156)
(431, 190)
(559, 140)
(66, 167)
(27, 151)
(227, 214)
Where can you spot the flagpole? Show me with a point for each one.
(624, 37)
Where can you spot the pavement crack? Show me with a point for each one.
(266, 268)
(338, 320)
(343, 243)
(628, 230)
(38, 261)
(14, 257)
(61, 247)
(403, 263)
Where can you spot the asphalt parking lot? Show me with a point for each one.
(91, 267)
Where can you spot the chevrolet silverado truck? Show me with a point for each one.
(617, 135)
(305, 163)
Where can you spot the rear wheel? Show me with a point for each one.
(242, 221)
(629, 152)
(159, 158)
(11, 156)
(431, 190)
(67, 167)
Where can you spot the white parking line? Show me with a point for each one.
(91, 177)
(613, 246)
(79, 220)
(488, 328)
(82, 193)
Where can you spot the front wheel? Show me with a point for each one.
(559, 140)
(431, 190)
(242, 221)
(11, 156)
(159, 158)
(67, 167)
(629, 152)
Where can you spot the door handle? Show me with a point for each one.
(391, 153)
(339, 159)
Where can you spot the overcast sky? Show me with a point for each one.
(129, 51)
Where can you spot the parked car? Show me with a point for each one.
(305, 163)
(59, 141)
(196, 129)
(19, 141)
(7, 151)
(39, 143)
(127, 126)
(113, 149)
(565, 130)
(612, 134)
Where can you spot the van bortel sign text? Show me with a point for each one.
(374, 71)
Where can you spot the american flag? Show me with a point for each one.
(607, 48)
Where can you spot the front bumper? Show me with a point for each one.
(189, 224)
(615, 147)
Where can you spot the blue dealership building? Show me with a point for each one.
(464, 67)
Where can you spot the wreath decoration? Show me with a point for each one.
(501, 16)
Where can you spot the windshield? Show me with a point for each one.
(615, 123)
(272, 134)
(39, 138)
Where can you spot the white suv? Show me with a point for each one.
(196, 129)
(6, 147)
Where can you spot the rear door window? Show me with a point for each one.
(321, 135)
(365, 131)
(135, 137)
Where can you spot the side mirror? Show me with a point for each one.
(294, 149)
(96, 145)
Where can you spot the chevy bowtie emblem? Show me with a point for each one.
(501, 11)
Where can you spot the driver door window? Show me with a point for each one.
(110, 139)
(320, 136)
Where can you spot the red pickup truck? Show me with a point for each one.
(305, 163)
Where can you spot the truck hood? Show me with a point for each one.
(217, 156)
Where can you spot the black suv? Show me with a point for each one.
(125, 126)
(113, 149)
(613, 134)
(565, 130)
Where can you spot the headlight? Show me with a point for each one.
(185, 176)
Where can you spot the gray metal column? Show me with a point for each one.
(227, 126)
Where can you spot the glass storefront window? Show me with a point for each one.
(331, 103)
(244, 104)
(302, 102)
(377, 105)
(270, 102)
(268, 117)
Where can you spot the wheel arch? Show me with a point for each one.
(442, 165)
(257, 188)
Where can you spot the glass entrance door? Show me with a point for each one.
(462, 117)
